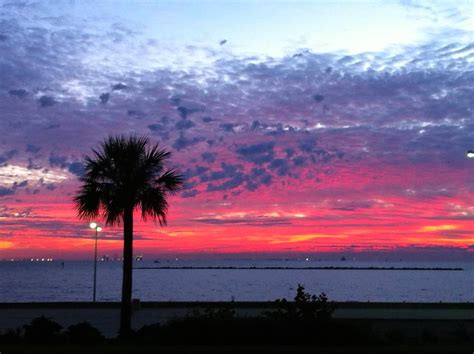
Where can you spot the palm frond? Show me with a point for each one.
(170, 181)
(125, 172)
(154, 205)
(87, 202)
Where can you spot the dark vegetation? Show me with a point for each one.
(303, 325)
(44, 331)
(307, 320)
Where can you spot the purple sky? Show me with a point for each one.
(284, 114)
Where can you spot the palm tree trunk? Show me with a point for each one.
(126, 305)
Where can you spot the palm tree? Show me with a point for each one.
(126, 174)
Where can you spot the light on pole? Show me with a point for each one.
(470, 154)
(93, 225)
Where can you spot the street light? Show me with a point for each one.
(93, 225)
(470, 154)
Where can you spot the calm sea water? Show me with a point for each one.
(49, 281)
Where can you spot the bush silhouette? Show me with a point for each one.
(306, 307)
(306, 320)
(149, 333)
(11, 336)
(42, 330)
(84, 333)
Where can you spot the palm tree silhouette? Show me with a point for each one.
(125, 174)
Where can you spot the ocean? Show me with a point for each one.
(50, 281)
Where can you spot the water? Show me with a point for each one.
(48, 281)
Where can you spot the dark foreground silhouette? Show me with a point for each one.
(303, 325)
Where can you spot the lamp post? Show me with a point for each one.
(98, 229)
(470, 154)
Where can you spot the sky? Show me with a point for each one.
(303, 128)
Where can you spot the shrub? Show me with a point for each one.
(84, 333)
(461, 333)
(395, 336)
(11, 336)
(149, 333)
(306, 307)
(42, 330)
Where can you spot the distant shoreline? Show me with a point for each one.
(304, 268)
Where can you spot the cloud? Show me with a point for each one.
(226, 171)
(10, 212)
(7, 156)
(163, 130)
(47, 101)
(119, 86)
(281, 166)
(6, 191)
(10, 174)
(135, 113)
(20, 93)
(299, 161)
(184, 124)
(21, 184)
(158, 127)
(44, 227)
(318, 98)
(189, 194)
(208, 157)
(350, 128)
(185, 111)
(228, 127)
(31, 148)
(58, 161)
(307, 145)
(247, 221)
(196, 171)
(257, 178)
(233, 182)
(104, 98)
(188, 185)
(76, 168)
(182, 142)
(257, 153)
(351, 205)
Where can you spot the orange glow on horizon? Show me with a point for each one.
(299, 219)
(438, 228)
(6, 244)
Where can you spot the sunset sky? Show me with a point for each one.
(302, 128)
